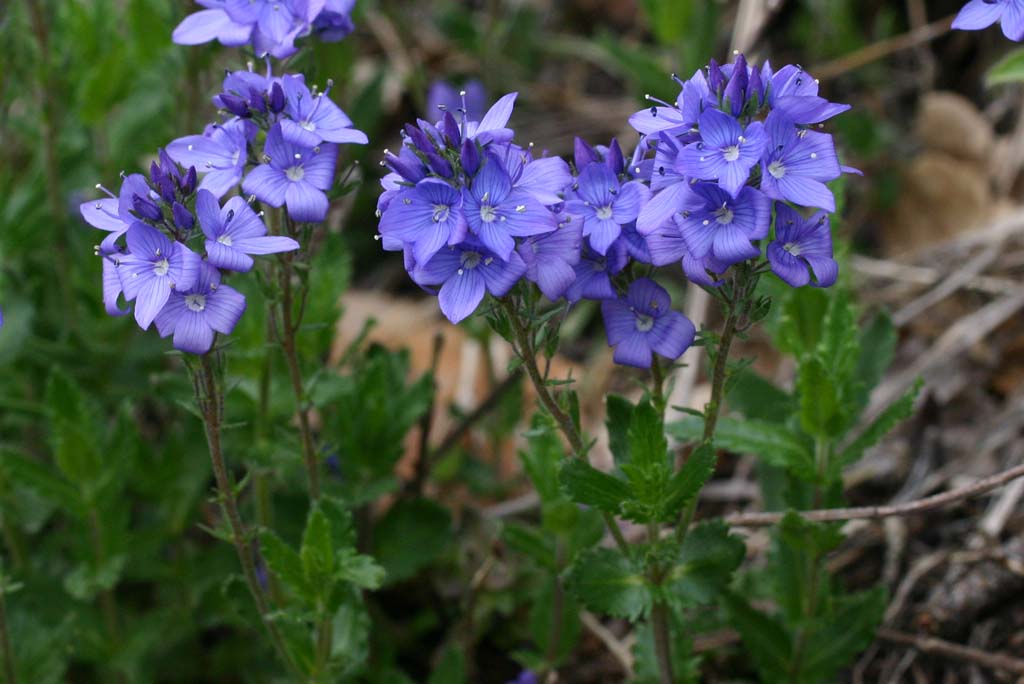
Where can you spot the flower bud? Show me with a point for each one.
(183, 218)
(277, 99)
(235, 105)
(188, 181)
(146, 208)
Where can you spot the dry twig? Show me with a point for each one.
(947, 649)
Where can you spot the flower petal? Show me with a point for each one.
(461, 294)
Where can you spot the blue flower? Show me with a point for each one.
(426, 217)
(979, 14)
(209, 24)
(801, 244)
(798, 163)
(334, 21)
(794, 92)
(465, 273)
(716, 223)
(496, 212)
(195, 313)
(550, 258)
(642, 323)
(594, 272)
(605, 205)
(314, 118)
(295, 176)
(154, 267)
(234, 232)
(471, 99)
(726, 151)
(114, 214)
(219, 154)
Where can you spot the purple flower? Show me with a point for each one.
(112, 282)
(211, 24)
(723, 226)
(465, 272)
(675, 119)
(525, 677)
(550, 258)
(496, 213)
(794, 92)
(979, 14)
(335, 20)
(219, 154)
(643, 322)
(113, 214)
(726, 152)
(798, 163)
(471, 99)
(293, 175)
(594, 272)
(154, 266)
(666, 246)
(492, 127)
(545, 178)
(314, 118)
(234, 232)
(193, 315)
(426, 217)
(801, 243)
(605, 205)
(276, 23)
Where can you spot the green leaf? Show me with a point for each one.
(43, 481)
(317, 550)
(848, 631)
(359, 569)
(410, 536)
(1010, 69)
(893, 415)
(647, 444)
(606, 581)
(542, 622)
(87, 580)
(756, 397)
(541, 461)
(766, 640)
(819, 400)
(451, 669)
(773, 443)
(587, 485)
(686, 484)
(877, 346)
(619, 417)
(706, 561)
(530, 542)
(284, 562)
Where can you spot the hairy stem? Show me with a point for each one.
(523, 348)
(662, 644)
(210, 401)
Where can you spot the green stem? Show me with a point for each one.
(324, 638)
(210, 401)
(558, 612)
(525, 351)
(662, 644)
(5, 639)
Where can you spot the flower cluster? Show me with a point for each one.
(979, 14)
(170, 241)
(726, 174)
(270, 26)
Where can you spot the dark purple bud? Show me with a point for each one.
(277, 99)
(155, 173)
(736, 90)
(470, 157)
(183, 218)
(410, 172)
(165, 187)
(615, 161)
(439, 165)
(257, 101)
(235, 105)
(419, 139)
(188, 181)
(450, 127)
(168, 165)
(584, 153)
(755, 88)
(716, 78)
(146, 208)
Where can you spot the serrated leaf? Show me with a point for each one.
(587, 485)
(849, 631)
(317, 550)
(689, 480)
(647, 444)
(543, 458)
(530, 542)
(819, 399)
(43, 481)
(607, 582)
(410, 536)
(284, 562)
(619, 417)
(766, 640)
(359, 569)
(773, 443)
(893, 415)
(877, 344)
(756, 397)
(1010, 69)
(708, 557)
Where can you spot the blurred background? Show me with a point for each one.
(90, 89)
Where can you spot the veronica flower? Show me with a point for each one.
(594, 272)
(545, 177)
(193, 315)
(234, 232)
(979, 14)
(220, 154)
(666, 246)
(716, 223)
(295, 176)
(550, 258)
(798, 163)
(426, 217)
(605, 205)
(112, 282)
(471, 99)
(276, 23)
(801, 244)
(114, 214)
(496, 213)
(642, 323)
(314, 118)
(794, 92)
(726, 151)
(154, 267)
(335, 20)
(465, 273)
(213, 23)
(679, 118)
(492, 127)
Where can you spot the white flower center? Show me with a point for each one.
(643, 322)
(295, 173)
(776, 169)
(225, 240)
(235, 157)
(195, 302)
(308, 125)
(441, 212)
(731, 153)
(724, 215)
(792, 248)
(161, 267)
(487, 213)
(470, 260)
(604, 213)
